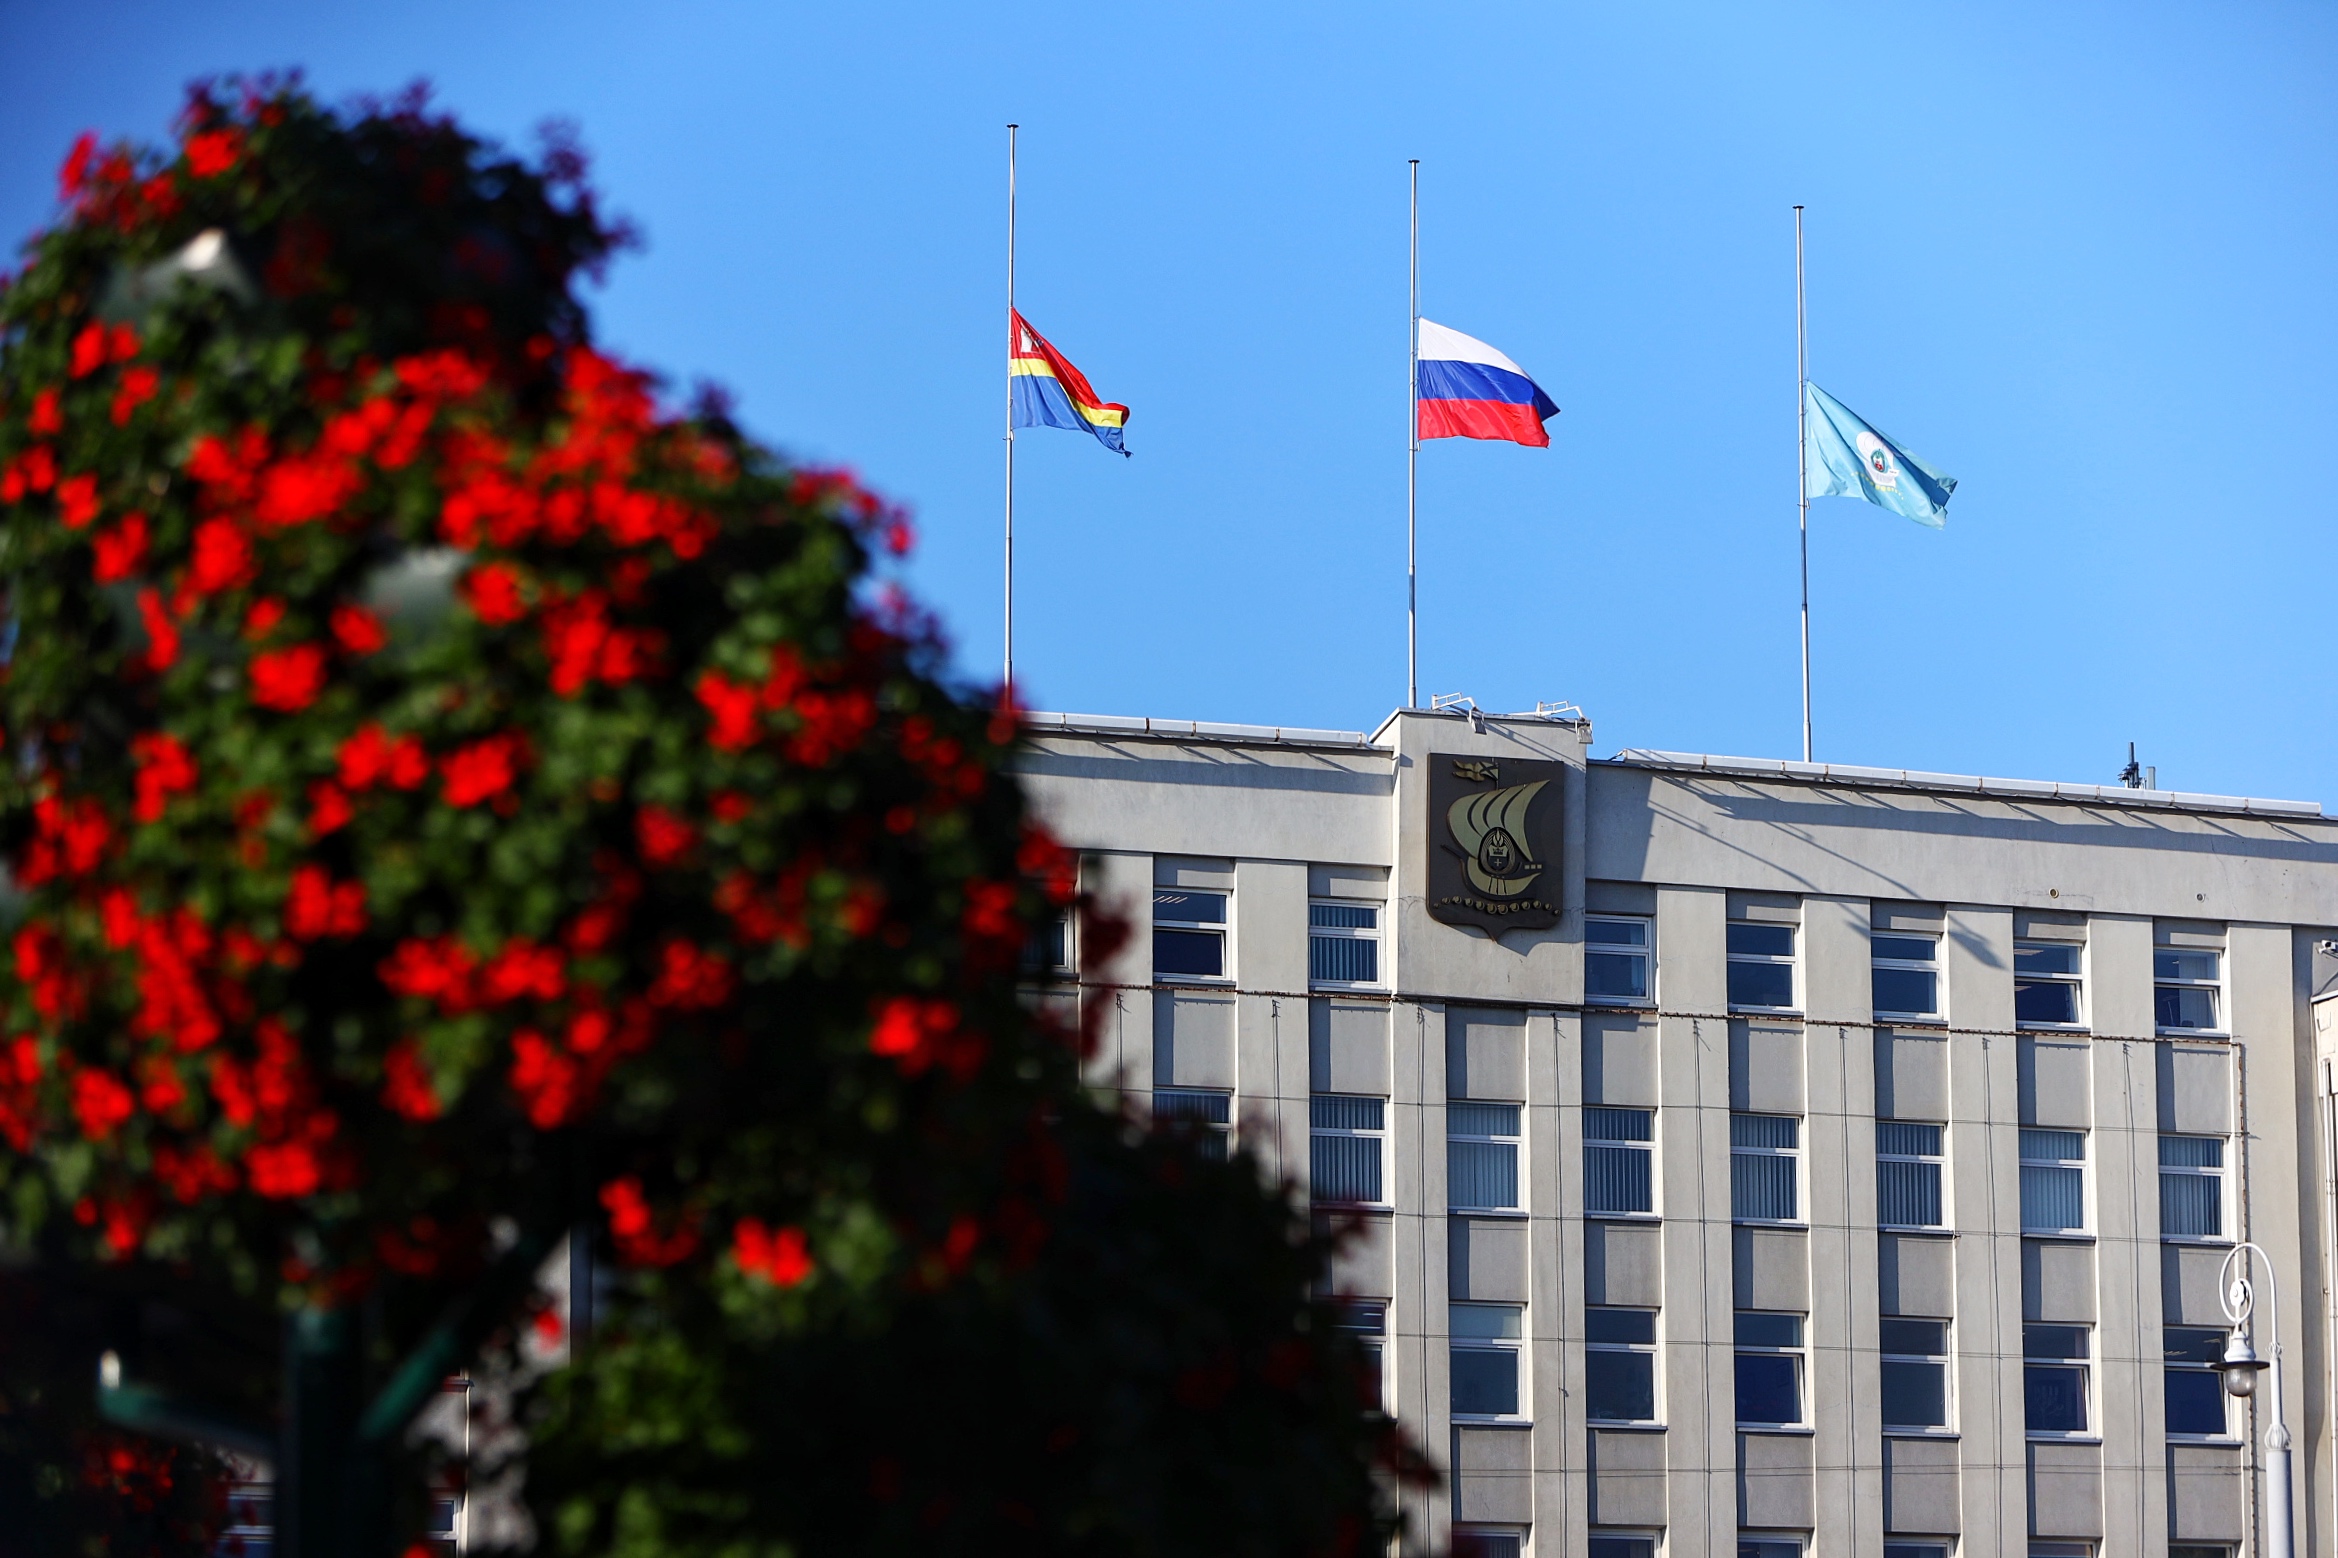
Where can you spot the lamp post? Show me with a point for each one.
(2242, 1365)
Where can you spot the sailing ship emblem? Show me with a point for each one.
(1490, 827)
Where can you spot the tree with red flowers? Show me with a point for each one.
(453, 800)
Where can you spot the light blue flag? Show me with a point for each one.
(1845, 458)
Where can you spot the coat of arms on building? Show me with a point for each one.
(1494, 842)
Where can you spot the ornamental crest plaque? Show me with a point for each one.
(1494, 842)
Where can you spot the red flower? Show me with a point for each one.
(545, 1079)
(917, 1033)
(480, 771)
(223, 558)
(121, 343)
(164, 770)
(77, 501)
(288, 680)
(523, 970)
(406, 1084)
(101, 1103)
(138, 387)
(633, 1229)
(690, 979)
(779, 1256)
(493, 592)
(300, 490)
(74, 173)
(162, 634)
(119, 551)
(89, 350)
(359, 630)
(731, 707)
(318, 906)
(328, 808)
(262, 619)
(212, 152)
(664, 837)
(283, 1171)
(438, 971)
(46, 419)
(369, 757)
(731, 806)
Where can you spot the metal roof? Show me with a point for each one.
(1959, 784)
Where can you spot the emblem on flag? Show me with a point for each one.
(1844, 457)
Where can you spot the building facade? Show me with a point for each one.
(1751, 1157)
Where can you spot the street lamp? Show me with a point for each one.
(2241, 1366)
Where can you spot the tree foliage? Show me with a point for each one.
(450, 795)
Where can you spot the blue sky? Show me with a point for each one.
(2079, 256)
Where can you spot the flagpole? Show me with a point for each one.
(1412, 468)
(1007, 687)
(1802, 463)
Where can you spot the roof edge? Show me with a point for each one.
(1958, 784)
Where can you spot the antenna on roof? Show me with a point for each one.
(2136, 777)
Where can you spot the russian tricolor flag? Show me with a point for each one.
(1466, 389)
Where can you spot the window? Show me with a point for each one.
(1344, 1145)
(1481, 1155)
(1486, 1343)
(2071, 1550)
(2198, 1550)
(1769, 1369)
(1915, 1550)
(1769, 1547)
(2195, 1389)
(1487, 1542)
(1208, 1118)
(1621, 1547)
(1619, 1365)
(2191, 1187)
(1049, 951)
(1189, 934)
(1368, 1324)
(1618, 1161)
(2046, 981)
(1915, 1372)
(1343, 943)
(1616, 963)
(1763, 1184)
(1761, 965)
(2184, 987)
(1907, 1174)
(1907, 975)
(2053, 1181)
(2053, 1378)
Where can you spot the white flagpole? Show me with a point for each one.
(1008, 687)
(1802, 464)
(1412, 468)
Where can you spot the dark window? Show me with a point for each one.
(1207, 1118)
(1343, 1160)
(1905, 979)
(1618, 1163)
(2195, 1390)
(2045, 982)
(1915, 1372)
(1763, 1160)
(1189, 937)
(1620, 1365)
(1767, 1547)
(1761, 965)
(1615, 960)
(1622, 1547)
(1907, 1174)
(1485, 1384)
(1769, 1368)
(2054, 1387)
(2185, 996)
(1343, 943)
(1478, 1542)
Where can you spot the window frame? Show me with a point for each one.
(2189, 1366)
(1222, 928)
(1799, 1352)
(1514, 1346)
(2214, 987)
(2084, 1367)
(1942, 1360)
(1757, 1544)
(1792, 1154)
(1929, 966)
(1317, 1130)
(1366, 1319)
(2025, 1161)
(1516, 1142)
(2076, 981)
(1467, 1534)
(1936, 1160)
(1792, 962)
(1372, 934)
(1652, 1350)
(1645, 1146)
(1204, 1125)
(1917, 1547)
(1648, 1540)
(1645, 952)
(2219, 1171)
